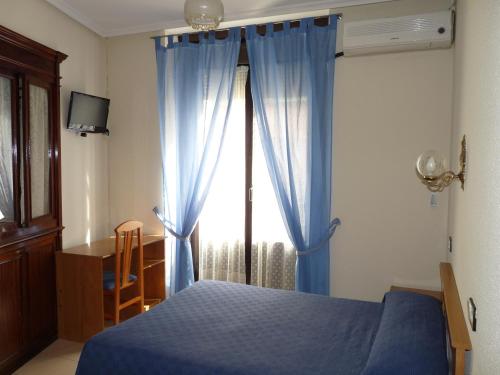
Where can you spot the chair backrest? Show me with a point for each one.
(123, 251)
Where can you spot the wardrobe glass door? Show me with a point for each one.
(39, 150)
(6, 166)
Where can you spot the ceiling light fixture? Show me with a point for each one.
(203, 14)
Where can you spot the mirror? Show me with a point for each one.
(6, 171)
(39, 150)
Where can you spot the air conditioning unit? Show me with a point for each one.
(417, 32)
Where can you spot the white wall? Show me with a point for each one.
(475, 212)
(388, 109)
(135, 158)
(84, 160)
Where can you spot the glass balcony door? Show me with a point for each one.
(242, 237)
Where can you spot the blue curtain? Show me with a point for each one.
(195, 83)
(292, 73)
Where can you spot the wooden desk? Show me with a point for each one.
(80, 301)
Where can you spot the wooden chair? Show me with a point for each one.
(122, 276)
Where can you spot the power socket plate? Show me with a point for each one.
(472, 309)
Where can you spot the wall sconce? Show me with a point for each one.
(431, 170)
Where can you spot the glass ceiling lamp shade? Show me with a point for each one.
(431, 170)
(203, 14)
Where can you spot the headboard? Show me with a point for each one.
(457, 328)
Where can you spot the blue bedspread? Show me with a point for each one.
(225, 328)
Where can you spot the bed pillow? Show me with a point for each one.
(411, 337)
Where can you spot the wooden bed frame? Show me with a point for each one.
(455, 321)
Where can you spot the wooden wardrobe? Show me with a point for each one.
(30, 196)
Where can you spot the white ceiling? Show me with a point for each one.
(119, 17)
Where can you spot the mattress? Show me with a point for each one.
(226, 328)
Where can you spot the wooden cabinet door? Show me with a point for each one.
(41, 286)
(10, 304)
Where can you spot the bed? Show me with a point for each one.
(224, 328)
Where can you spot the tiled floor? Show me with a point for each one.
(60, 358)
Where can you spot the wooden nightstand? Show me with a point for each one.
(433, 293)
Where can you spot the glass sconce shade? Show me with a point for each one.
(433, 172)
(431, 164)
(203, 14)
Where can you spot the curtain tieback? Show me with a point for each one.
(177, 236)
(167, 224)
(331, 230)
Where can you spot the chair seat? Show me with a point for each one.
(108, 281)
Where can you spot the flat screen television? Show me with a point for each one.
(88, 113)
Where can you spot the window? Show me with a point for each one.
(242, 237)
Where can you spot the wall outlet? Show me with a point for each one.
(450, 244)
(471, 307)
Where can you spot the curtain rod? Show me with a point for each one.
(339, 18)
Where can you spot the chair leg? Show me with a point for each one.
(116, 317)
(141, 291)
